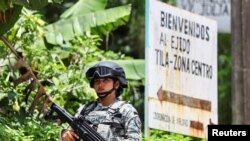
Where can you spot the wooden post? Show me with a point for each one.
(246, 58)
(240, 22)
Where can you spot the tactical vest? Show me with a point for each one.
(108, 122)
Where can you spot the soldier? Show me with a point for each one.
(113, 118)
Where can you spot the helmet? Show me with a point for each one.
(106, 69)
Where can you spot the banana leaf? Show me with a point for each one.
(100, 22)
(134, 69)
(83, 7)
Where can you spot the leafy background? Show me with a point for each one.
(38, 30)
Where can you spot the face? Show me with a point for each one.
(104, 84)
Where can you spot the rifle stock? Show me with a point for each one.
(79, 125)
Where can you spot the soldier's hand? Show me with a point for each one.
(69, 135)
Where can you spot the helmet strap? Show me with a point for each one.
(104, 94)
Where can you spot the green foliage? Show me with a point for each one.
(171, 2)
(10, 11)
(60, 69)
(224, 78)
(28, 29)
(8, 17)
(100, 21)
(3, 6)
(32, 4)
(158, 135)
(28, 129)
(35, 4)
(84, 7)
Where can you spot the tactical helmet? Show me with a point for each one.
(107, 69)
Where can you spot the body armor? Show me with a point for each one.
(120, 121)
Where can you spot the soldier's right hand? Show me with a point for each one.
(69, 135)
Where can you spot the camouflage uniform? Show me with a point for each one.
(118, 122)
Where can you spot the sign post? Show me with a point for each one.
(181, 70)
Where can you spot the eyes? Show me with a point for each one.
(102, 80)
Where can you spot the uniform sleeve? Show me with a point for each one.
(132, 124)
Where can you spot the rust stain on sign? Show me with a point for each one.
(183, 100)
(197, 125)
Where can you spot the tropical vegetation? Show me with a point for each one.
(58, 51)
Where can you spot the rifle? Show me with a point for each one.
(78, 124)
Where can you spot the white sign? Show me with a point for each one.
(181, 70)
(219, 10)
